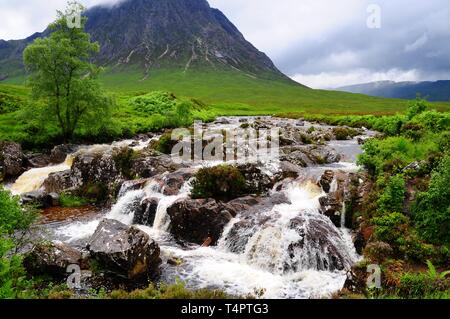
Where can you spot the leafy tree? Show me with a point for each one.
(62, 76)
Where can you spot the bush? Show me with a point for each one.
(378, 251)
(432, 208)
(154, 103)
(416, 107)
(13, 217)
(220, 182)
(390, 228)
(393, 195)
(344, 133)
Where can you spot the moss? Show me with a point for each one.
(123, 159)
(220, 182)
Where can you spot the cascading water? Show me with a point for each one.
(288, 250)
(33, 179)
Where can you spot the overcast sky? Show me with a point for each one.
(320, 43)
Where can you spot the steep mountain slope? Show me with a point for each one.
(433, 91)
(153, 34)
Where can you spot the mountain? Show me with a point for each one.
(433, 91)
(153, 34)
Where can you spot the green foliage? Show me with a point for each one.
(393, 194)
(9, 103)
(390, 228)
(416, 107)
(157, 102)
(392, 154)
(174, 291)
(123, 159)
(72, 201)
(344, 133)
(424, 284)
(63, 81)
(432, 208)
(219, 182)
(13, 282)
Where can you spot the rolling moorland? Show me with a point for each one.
(399, 215)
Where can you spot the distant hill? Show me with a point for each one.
(433, 91)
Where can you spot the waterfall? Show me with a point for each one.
(33, 179)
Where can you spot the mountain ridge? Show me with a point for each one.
(432, 90)
(153, 34)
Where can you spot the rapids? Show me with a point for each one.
(268, 262)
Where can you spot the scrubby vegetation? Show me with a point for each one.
(219, 182)
(408, 208)
(13, 220)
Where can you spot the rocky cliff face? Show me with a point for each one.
(177, 34)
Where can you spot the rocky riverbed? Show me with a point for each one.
(294, 237)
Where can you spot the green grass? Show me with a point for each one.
(225, 93)
(232, 93)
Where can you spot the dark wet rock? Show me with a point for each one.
(146, 214)
(41, 199)
(332, 208)
(52, 259)
(290, 170)
(37, 160)
(325, 180)
(320, 246)
(222, 121)
(59, 153)
(149, 164)
(97, 173)
(300, 123)
(307, 155)
(173, 182)
(194, 220)
(59, 182)
(133, 185)
(251, 214)
(356, 281)
(124, 251)
(11, 160)
(257, 181)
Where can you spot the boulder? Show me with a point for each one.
(124, 251)
(149, 165)
(59, 153)
(173, 182)
(52, 259)
(11, 160)
(40, 198)
(37, 160)
(194, 220)
(59, 182)
(146, 214)
(325, 180)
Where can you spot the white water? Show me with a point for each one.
(256, 271)
(260, 269)
(33, 179)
